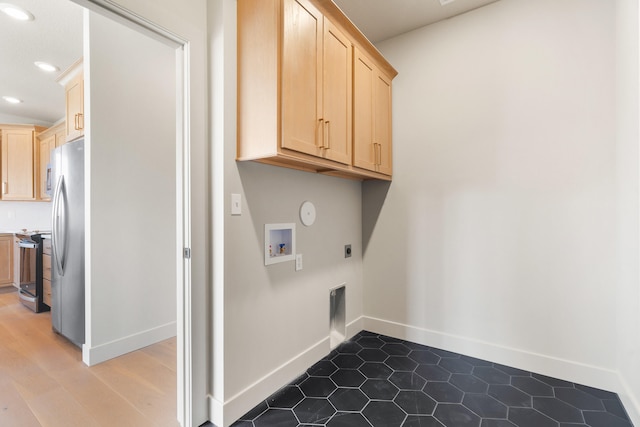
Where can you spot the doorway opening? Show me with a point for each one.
(139, 139)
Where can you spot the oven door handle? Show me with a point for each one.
(28, 244)
(58, 218)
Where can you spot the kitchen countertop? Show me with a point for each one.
(13, 232)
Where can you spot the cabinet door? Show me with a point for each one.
(337, 95)
(60, 138)
(46, 145)
(302, 77)
(46, 291)
(18, 155)
(75, 108)
(6, 260)
(364, 152)
(372, 117)
(382, 123)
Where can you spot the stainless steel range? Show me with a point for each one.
(30, 275)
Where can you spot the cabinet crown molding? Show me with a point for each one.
(67, 75)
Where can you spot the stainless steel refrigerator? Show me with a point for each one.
(67, 241)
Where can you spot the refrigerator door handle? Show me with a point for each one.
(58, 251)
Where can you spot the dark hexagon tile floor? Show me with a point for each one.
(378, 381)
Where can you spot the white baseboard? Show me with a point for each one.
(630, 401)
(355, 327)
(216, 409)
(225, 414)
(580, 373)
(103, 352)
(241, 403)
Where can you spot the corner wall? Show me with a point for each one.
(628, 214)
(274, 320)
(497, 236)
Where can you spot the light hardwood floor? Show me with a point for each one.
(43, 381)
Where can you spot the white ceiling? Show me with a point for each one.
(383, 19)
(55, 36)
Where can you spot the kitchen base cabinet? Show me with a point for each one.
(46, 271)
(6, 260)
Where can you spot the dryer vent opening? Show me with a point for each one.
(337, 318)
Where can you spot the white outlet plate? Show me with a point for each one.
(298, 262)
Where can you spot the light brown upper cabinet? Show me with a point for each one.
(19, 151)
(337, 100)
(372, 117)
(49, 139)
(73, 81)
(316, 84)
(295, 86)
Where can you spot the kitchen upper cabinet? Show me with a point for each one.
(19, 161)
(49, 139)
(372, 116)
(295, 86)
(6, 260)
(73, 82)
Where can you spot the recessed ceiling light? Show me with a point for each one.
(45, 66)
(12, 100)
(443, 2)
(16, 12)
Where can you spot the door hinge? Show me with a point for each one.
(187, 253)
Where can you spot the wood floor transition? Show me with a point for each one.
(43, 381)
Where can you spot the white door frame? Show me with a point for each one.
(183, 192)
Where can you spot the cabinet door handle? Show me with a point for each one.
(328, 134)
(375, 154)
(5, 185)
(379, 154)
(321, 127)
(77, 124)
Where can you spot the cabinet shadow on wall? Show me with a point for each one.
(374, 193)
(273, 195)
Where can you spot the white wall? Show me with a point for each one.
(275, 321)
(131, 230)
(628, 215)
(15, 216)
(497, 236)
